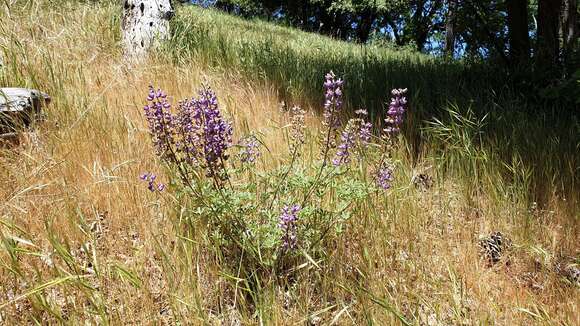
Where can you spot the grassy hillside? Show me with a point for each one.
(84, 241)
(295, 61)
(458, 94)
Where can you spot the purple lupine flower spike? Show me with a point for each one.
(144, 176)
(365, 132)
(365, 128)
(189, 121)
(250, 150)
(288, 220)
(332, 100)
(151, 95)
(384, 177)
(348, 138)
(161, 121)
(395, 112)
(356, 132)
(217, 132)
(197, 134)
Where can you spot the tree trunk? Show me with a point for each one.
(365, 26)
(569, 26)
(144, 24)
(396, 33)
(450, 28)
(519, 39)
(548, 46)
(326, 22)
(421, 39)
(417, 19)
(423, 21)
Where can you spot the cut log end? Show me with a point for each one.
(20, 107)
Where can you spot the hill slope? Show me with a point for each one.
(82, 240)
(454, 93)
(295, 60)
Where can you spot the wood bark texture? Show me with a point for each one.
(548, 20)
(519, 39)
(145, 23)
(569, 25)
(450, 28)
(19, 107)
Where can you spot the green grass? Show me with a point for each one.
(542, 135)
(83, 242)
(297, 61)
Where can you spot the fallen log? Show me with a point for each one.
(19, 108)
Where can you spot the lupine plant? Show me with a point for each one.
(284, 214)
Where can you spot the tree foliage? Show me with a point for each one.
(511, 32)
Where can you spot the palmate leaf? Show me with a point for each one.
(352, 190)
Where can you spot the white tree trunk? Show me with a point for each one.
(145, 23)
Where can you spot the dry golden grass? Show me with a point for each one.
(76, 183)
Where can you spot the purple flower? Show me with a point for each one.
(161, 121)
(189, 129)
(250, 150)
(365, 128)
(384, 177)
(356, 132)
(332, 100)
(347, 142)
(217, 132)
(288, 220)
(196, 134)
(395, 112)
(151, 184)
(365, 132)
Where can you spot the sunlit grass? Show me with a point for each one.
(83, 241)
(294, 63)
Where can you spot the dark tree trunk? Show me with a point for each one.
(548, 46)
(423, 21)
(450, 28)
(366, 24)
(326, 22)
(304, 14)
(396, 33)
(569, 26)
(343, 27)
(519, 39)
(417, 20)
(421, 38)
